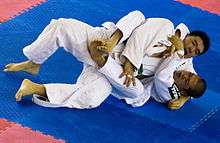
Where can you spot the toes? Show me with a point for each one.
(8, 67)
(5, 70)
(18, 96)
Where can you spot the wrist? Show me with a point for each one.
(129, 65)
(116, 37)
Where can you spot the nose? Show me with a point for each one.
(190, 49)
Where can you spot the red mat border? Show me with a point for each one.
(211, 6)
(11, 132)
(20, 11)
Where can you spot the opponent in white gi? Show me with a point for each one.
(147, 45)
(74, 36)
(174, 83)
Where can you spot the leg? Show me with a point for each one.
(28, 88)
(85, 94)
(71, 34)
(91, 89)
(26, 66)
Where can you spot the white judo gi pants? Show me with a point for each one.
(92, 87)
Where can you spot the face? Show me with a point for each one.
(185, 79)
(193, 45)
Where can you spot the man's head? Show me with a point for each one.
(190, 83)
(196, 43)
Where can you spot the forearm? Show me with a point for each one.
(115, 38)
(134, 49)
(128, 64)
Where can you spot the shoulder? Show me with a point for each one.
(153, 25)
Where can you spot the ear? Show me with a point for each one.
(184, 93)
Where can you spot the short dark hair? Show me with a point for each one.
(198, 90)
(205, 39)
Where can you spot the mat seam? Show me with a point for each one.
(204, 119)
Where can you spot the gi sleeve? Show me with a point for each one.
(134, 50)
(129, 22)
(183, 30)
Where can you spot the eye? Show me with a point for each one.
(197, 51)
(194, 43)
(188, 81)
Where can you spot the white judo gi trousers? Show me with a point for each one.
(92, 87)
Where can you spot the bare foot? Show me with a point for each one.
(24, 90)
(26, 66)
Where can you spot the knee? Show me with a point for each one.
(92, 102)
(137, 90)
(97, 97)
(58, 22)
(166, 22)
(92, 105)
(139, 14)
(139, 86)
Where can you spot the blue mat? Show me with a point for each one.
(113, 121)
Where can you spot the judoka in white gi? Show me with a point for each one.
(84, 94)
(174, 83)
(74, 36)
(143, 45)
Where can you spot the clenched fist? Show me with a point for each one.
(176, 42)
